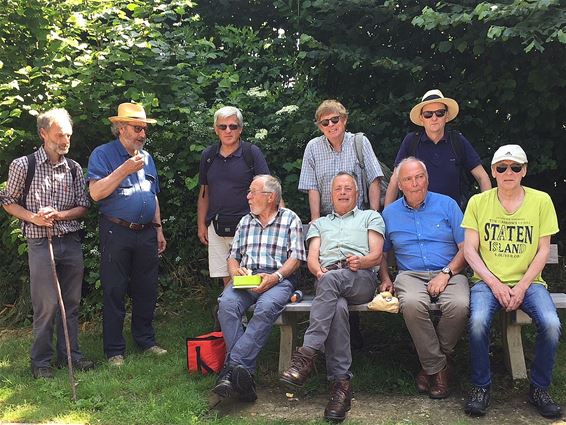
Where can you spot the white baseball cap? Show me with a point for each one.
(510, 153)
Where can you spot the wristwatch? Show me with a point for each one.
(279, 276)
(446, 270)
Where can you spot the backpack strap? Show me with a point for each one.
(29, 177)
(414, 143)
(210, 155)
(359, 147)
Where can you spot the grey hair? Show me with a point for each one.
(410, 159)
(229, 111)
(116, 126)
(345, 173)
(58, 115)
(271, 184)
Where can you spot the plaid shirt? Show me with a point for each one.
(257, 247)
(321, 163)
(52, 186)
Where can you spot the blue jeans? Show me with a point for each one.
(539, 306)
(243, 345)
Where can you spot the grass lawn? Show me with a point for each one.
(148, 390)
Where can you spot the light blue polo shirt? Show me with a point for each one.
(343, 235)
(426, 238)
(134, 200)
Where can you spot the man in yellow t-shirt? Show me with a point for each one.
(507, 243)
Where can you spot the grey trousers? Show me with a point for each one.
(69, 265)
(433, 345)
(329, 328)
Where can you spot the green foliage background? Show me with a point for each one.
(276, 60)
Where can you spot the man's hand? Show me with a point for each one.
(203, 234)
(133, 164)
(321, 272)
(45, 217)
(437, 284)
(386, 285)
(161, 242)
(502, 293)
(517, 297)
(268, 281)
(353, 262)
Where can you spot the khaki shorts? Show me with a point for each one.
(218, 251)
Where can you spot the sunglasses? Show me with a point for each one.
(503, 168)
(333, 120)
(138, 128)
(223, 127)
(439, 113)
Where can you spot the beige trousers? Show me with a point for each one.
(433, 344)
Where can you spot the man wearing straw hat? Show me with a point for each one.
(123, 180)
(45, 190)
(449, 157)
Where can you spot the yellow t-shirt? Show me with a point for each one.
(509, 242)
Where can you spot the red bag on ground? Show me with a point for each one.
(206, 353)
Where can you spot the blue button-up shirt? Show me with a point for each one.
(134, 200)
(426, 238)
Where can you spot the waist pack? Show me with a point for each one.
(225, 225)
(206, 353)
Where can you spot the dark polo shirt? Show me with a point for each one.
(228, 180)
(440, 161)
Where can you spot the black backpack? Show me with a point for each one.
(455, 141)
(31, 172)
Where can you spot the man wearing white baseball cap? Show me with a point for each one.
(448, 155)
(507, 243)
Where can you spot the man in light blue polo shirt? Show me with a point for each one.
(344, 249)
(123, 180)
(423, 229)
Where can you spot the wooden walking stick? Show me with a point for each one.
(63, 314)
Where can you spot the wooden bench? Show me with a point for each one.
(511, 328)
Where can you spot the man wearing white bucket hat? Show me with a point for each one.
(123, 180)
(449, 157)
(507, 243)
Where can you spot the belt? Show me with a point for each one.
(131, 226)
(342, 264)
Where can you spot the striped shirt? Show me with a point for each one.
(267, 248)
(321, 163)
(52, 186)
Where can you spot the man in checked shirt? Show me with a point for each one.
(56, 199)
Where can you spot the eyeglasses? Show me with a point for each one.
(326, 122)
(138, 128)
(223, 127)
(439, 113)
(255, 192)
(503, 168)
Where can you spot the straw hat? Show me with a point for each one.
(131, 112)
(434, 96)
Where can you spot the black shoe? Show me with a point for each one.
(244, 384)
(478, 401)
(223, 386)
(82, 365)
(356, 337)
(543, 402)
(42, 372)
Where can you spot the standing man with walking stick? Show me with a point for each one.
(46, 191)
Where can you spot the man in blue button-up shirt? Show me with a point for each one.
(423, 229)
(123, 180)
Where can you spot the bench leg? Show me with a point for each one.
(286, 343)
(513, 346)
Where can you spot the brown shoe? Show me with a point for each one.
(422, 382)
(340, 401)
(439, 384)
(302, 364)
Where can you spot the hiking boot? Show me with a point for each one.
(82, 365)
(244, 384)
(302, 364)
(540, 398)
(478, 401)
(340, 401)
(439, 384)
(223, 386)
(422, 382)
(116, 361)
(42, 372)
(156, 350)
